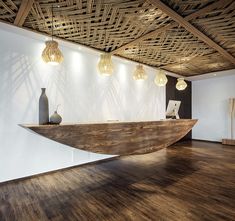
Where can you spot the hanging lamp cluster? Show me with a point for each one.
(105, 67)
(52, 54)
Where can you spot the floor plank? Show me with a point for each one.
(188, 181)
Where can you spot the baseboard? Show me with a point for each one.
(230, 142)
(209, 141)
(58, 170)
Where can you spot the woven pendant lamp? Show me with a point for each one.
(52, 54)
(105, 64)
(161, 79)
(139, 73)
(181, 84)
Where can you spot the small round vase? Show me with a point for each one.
(55, 118)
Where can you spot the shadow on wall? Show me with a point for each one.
(15, 72)
(84, 96)
(91, 96)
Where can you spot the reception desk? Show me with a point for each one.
(117, 138)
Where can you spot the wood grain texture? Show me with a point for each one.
(123, 138)
(186, 182)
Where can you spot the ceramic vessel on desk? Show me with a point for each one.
(43, 108)
(55, 118)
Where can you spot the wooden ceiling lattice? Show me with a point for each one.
(220, 25)
(8, 10)
(165, 48)
(200, 65)
(187, 7)
(105, 25)
(201, 38)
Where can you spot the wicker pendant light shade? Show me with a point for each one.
(52, 54)
(105, 65)
(161, 79)
(139, 73)
(181, 84)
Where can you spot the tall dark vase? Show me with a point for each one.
(43, 108)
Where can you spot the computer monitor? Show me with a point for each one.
(173, 109)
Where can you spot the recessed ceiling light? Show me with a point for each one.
(214, 74)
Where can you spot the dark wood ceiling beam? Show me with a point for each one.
(23, 12)
(192, 16)
(192, 29)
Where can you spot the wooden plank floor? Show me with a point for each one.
(189, 181)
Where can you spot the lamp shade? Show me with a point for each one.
(181, 84)
(160, 79)
(52, 54)
(139, 73)
(105, 65)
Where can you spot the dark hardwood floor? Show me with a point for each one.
(188, 181)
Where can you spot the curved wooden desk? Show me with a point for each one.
(121, 138)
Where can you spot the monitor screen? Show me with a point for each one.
(173, 108)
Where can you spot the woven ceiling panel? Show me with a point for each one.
(187, 7)
(201, 65)
(173, 46)
(101, 24)
(8, 10)
(109, 24)
(220, 25)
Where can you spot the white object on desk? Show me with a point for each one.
(173, 109)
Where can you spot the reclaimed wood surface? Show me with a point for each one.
(186, 182)
(122, 138)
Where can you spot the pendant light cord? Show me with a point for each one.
(178, 33)
(105, 38)
(180, 65)
(52, 22)
(164, 35)
(139, 52)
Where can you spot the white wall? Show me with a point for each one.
(210, 106)
(84, 96)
